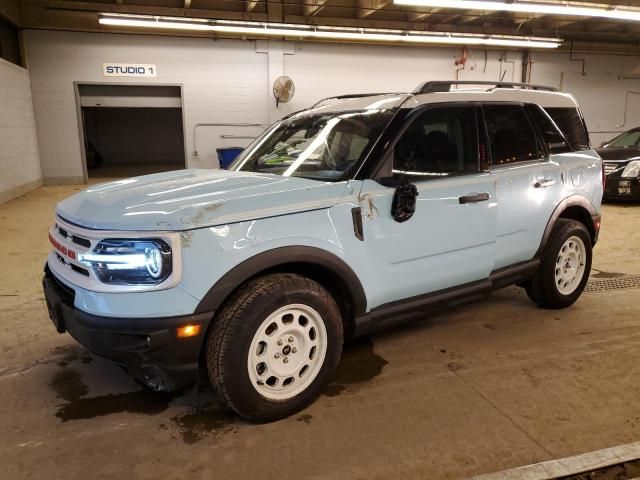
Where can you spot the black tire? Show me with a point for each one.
(543, 289)
(230, 338)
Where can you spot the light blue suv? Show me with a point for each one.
(359, 213)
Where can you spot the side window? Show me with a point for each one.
(511, 135)
(439, 142)
(570, 122)
(549, 131)
(357, 146)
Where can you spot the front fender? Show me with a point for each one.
(217, 260)
(296, 254)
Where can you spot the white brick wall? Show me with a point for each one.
(223, 81)
(19, 162)
(230, 81)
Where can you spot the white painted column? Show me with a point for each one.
(276, 51)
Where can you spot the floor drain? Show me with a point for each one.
(601, 285)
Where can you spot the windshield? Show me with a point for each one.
(325, 146)
(627, 139)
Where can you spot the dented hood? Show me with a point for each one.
(188, 199)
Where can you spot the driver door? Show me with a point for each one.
(449, 240)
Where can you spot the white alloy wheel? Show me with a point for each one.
(287, 352)
(570, 264)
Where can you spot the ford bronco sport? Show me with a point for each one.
(359, 213)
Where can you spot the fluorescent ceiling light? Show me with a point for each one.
(257, 29)
(547, 8)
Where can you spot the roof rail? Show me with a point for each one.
(445, 86)
(354, 95)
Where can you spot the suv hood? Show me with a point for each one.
(189, 199)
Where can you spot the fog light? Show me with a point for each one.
(188, 331)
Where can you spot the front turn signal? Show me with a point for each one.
(188, 331)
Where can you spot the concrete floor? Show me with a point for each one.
(484, 387)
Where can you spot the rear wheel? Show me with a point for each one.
(564, 268)
(274, 345)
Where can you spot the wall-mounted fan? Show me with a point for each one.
(283, 89)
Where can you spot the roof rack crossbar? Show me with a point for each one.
(354, 95)
(445, 86)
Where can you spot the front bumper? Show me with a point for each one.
(621, 188)
(148, 348)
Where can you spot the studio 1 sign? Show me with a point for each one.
(129, 70)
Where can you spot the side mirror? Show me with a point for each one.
(403, 205)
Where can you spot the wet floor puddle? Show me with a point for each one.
(600, 274)
(204, 422)
(69, 386)
(194, 425)
(204, 418)
(359, 364)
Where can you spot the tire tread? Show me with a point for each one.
(231, 320)
(543, 291)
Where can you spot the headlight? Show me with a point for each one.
(632, 170)
(130, 262)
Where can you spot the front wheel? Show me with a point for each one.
(274, 345)
(564, 268)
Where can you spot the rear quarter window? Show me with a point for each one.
(511, 135)
(548, 130)
(572, 125)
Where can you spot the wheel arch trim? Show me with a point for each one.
(569, 202)
(279, 258)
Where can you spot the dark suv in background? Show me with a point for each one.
(621, 157)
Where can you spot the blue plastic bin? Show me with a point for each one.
(228, 155)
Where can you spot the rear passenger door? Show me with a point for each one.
(528, 184)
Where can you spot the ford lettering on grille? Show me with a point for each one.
(62, 249)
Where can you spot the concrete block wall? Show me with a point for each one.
(602, 84)
(19, 160)
(223, 81)
(227, 81)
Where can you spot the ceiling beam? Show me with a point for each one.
(619, 42)
(420, 16)
(83, 16)
(400, 25)
(275, 10)
(311, 8)
(10, 9)
(34, 9)
(364, 8)
(471, 18)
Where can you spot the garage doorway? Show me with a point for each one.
(130, 130)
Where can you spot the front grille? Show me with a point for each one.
(80, 241)
(80, 270)
(74, 238)
(609, 167)
(74, 267)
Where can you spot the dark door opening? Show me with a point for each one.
(131, 130)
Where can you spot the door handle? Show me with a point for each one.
(544, 183)
(475, 198)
